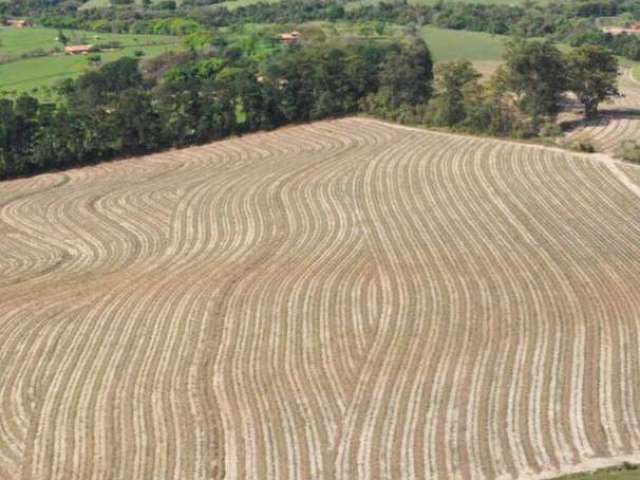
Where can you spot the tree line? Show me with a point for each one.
(125, 108)
(526, 93)
(216, 90)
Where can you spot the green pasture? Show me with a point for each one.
(16, 41)
(457, 44)
(25, 74)
(444, 44)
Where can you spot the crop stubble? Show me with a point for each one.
(340, 300)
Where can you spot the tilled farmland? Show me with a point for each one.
(342, 300)
(620, 120)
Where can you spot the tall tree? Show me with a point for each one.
(455, 82)
(536, 72)
(593, 76)
(62, 38)
(406, 76)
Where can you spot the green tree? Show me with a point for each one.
(94, 59)
(136, 122)
(406, 76)
(62, 38)
(536, 73)
(593, 76)
(456, 82)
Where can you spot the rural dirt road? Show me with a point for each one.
(342, 300)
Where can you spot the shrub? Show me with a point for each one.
(166, 5)
(582, 144)
(629, 150)
(550, 129)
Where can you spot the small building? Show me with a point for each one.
(78, 49)
(615, 30)
(290, 37)
(17, 23)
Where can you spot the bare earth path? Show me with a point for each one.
(343, 300)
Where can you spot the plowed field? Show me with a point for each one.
(342, 300)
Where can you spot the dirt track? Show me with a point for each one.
(344, 300)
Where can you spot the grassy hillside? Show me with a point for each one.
(455, 44)
(15, 41)
(25, 74)
(444, 44)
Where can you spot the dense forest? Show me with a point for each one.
(215, 90)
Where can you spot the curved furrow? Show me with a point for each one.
(572, 194)
(620, 118)
(279, 299)
(335, 300)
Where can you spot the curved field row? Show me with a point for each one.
(347, 299)
(620, 120)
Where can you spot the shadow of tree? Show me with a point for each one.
(603, 119)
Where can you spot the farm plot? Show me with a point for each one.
(620, 120)
(347, 299)
(29, 74)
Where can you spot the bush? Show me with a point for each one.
(629, 150)
(113, 45)
(550, 129)
(166, 5)
(580, 144)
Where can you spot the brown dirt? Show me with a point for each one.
(341, 300)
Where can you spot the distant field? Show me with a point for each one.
(97, 4)
(26, 74)
(455, 44)
(231, 4)
(444, 44)
(239, 3)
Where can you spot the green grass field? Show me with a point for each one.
(14, 41)
(457, 44)
(444, 44)
(23, 75)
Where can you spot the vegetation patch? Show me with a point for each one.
(34, 59)
(624, 472)
(447, 44)
(629, 150)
